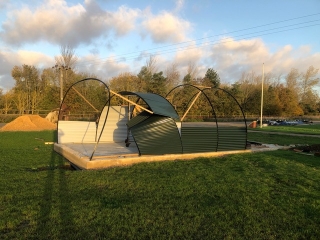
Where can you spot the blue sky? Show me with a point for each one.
(114, 36)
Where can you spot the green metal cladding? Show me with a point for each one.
(232, 138)
(158, 104)
(158, 133)
(199, 139)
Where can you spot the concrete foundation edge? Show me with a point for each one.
(84, 163)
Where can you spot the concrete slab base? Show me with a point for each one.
(117, 154)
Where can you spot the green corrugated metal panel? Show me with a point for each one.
(138, 119)
(158, 104)
(232, 138)
(199, 139)
(157, 135)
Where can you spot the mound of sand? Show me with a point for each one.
(29, 123)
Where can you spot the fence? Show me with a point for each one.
(205, 117)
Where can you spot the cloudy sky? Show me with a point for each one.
(114, 36)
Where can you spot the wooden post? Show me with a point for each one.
(194, 100)
(129, 101)
(85, 99)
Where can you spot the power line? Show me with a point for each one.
(226, 41)
(134, 55)
(186, 48)
(237, 39)
(217, 35)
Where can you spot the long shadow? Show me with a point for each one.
(66, 212)
(46, 224)
(43, 221)
(307, 160)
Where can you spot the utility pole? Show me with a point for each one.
(262, 95)
(61, 68)
(61, 85)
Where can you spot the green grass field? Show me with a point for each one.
(302, 129)
(266, 195)
(283, 140)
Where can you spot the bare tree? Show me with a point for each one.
(173, 76)
(248, 86)
(268, 79)
(292, 80)
(276, 80)
(192, 70)
(67, 57)
(151, 64)
(65, 64)
(308, 81)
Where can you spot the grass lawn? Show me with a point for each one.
(303, 129)
(266, 195)
(283, 140)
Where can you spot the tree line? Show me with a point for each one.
(290, 95)
(294, 94)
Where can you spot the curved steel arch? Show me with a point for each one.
(208, 100)
(234, 100)
(212, 105)
(108, 102)
(201, 90)
(239, 106)
(151, 130)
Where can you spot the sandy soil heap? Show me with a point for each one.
(29, 123)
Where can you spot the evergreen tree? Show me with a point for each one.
(211, 78)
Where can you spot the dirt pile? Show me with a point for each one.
(29, 123)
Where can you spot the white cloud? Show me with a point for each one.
(166, 27)
(104, 69)
(31, 58)
(124, 20)
(189, 53)
(231, 58)
(9, 59)
(179, 5)
(3, 3)
(58, 23)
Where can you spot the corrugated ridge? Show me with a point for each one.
(158, 104)
(232, 138)
(199, 139)
(138, 119)
(157, 135)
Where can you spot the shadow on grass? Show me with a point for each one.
(306, 159)
(55, 199)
